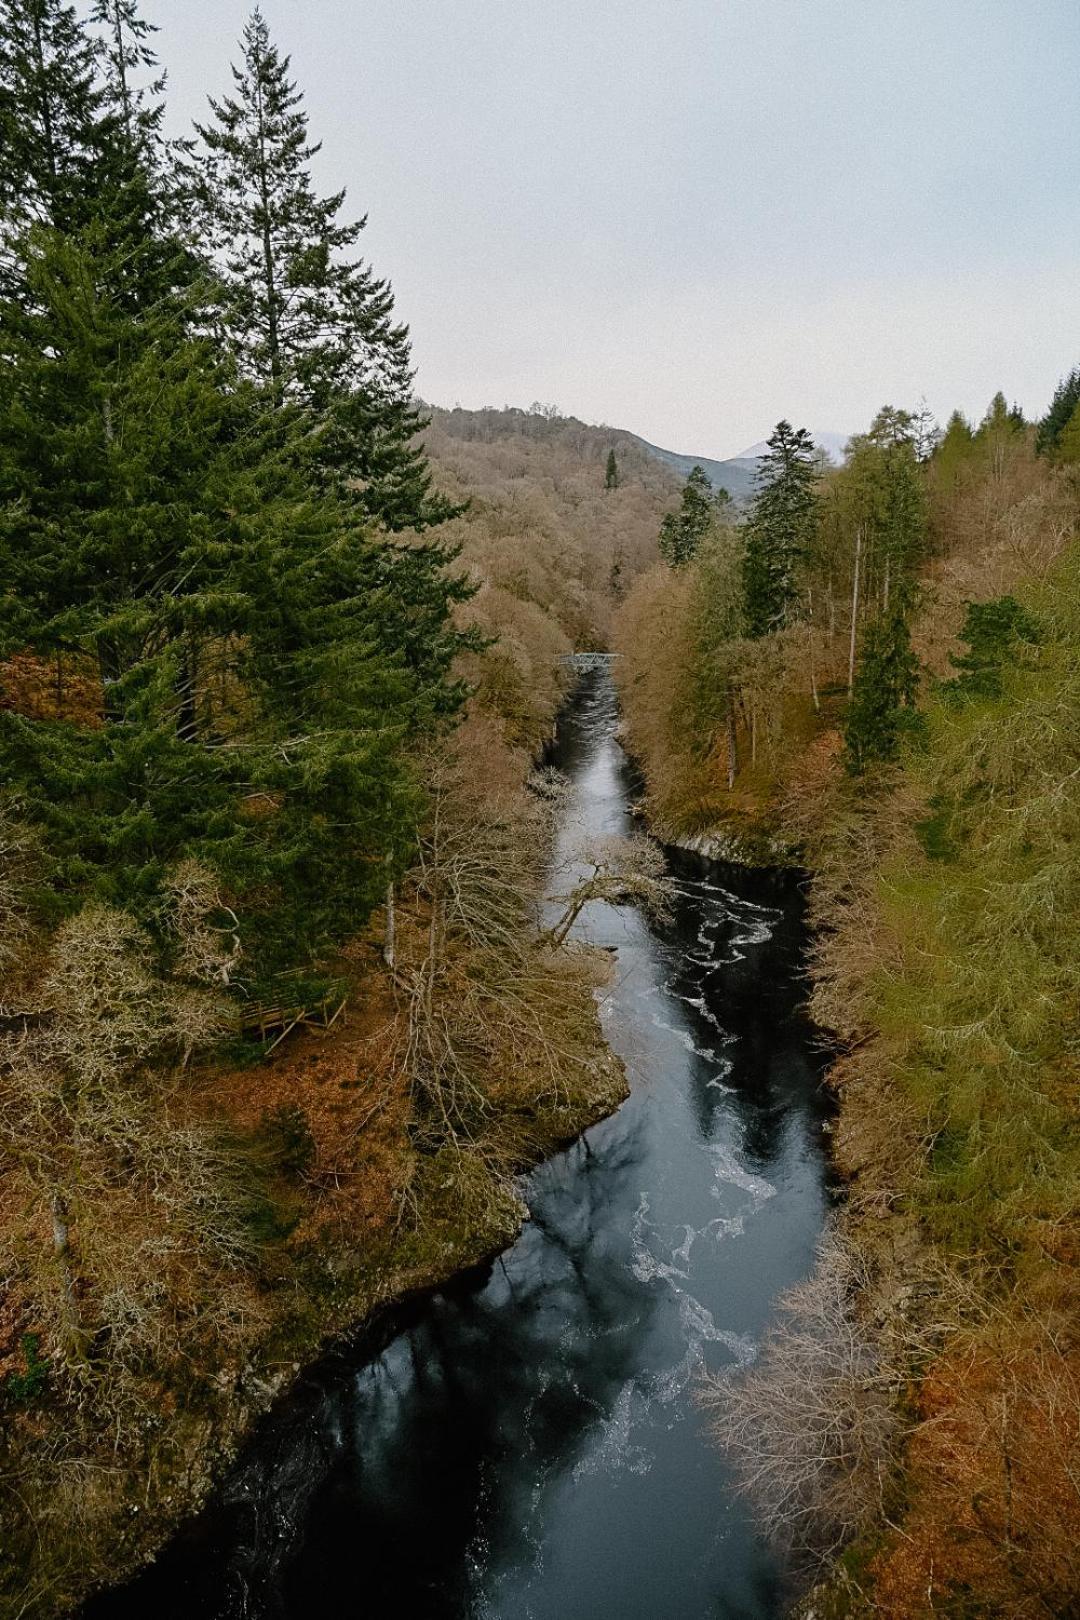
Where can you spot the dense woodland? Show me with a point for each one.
(876, 671)
(278, 1023)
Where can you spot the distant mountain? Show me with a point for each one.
(736, 475)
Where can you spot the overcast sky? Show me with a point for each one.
(692, 217)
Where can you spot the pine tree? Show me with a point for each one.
(611, 476)
(304, 317)
(954, 452)
(886, 685)
(50, 115)
(253, 644)
(781, 528)
(1066, 399)
(682, 532)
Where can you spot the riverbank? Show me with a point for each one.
(532, 1434)
(358, 1201)
(355, 1253)
(942, 982)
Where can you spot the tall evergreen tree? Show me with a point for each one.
(305, 317)
(886, 685)
(126, 50)
(954, 452)
(611, 475)
(682, 532)
(781, 528)
(50, 115)
(1066, 399)
(254, 646)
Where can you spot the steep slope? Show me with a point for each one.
(735, 475)
(551, 547)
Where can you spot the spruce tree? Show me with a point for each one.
(682, 532)
(254, 646)
(781, 529)
(611, 475)
(954, 452)
(1066, 399)
(305, 317)
(50, 115)
(886, 685)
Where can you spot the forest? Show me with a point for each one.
(278, 1022)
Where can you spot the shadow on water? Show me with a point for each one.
(525, 1444)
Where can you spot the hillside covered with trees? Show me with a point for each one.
(278, 1024)
(875, 673)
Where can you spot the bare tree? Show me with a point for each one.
(206, 930)
(808, 1428)
(620, 872)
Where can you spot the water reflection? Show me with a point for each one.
(527, 1445)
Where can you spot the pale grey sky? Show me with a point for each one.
(692, 217)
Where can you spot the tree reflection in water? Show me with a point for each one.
(526, 1446)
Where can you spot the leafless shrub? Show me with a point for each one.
(809, 1427)
(86, 1130)
(15, 858)
(621, 872)
(481, 999)
(206, 950)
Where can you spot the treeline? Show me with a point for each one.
(878, 670)
(260, 772)
(805, 620)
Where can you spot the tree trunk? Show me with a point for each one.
(854, 610)
(269, 268)
(46, 109)
(187, 719)
(75, 1339)
(390, 936)
(732, 742)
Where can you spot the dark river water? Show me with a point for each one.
(528, 1446)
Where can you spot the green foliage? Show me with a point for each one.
(1067, 449)
(1064, 403)
(611, 473)
(24, 1387)
(886, 683)
(979, 1002)
(682, 532)
(305, 320)
(51, 115)
(717, 626)
(287, 1133)
(266, 658)
(955, 451)
(994, 632)
(888, 500)
(781, 529)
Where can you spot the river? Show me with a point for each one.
(528, 1445)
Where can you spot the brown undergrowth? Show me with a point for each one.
(183, 1224)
